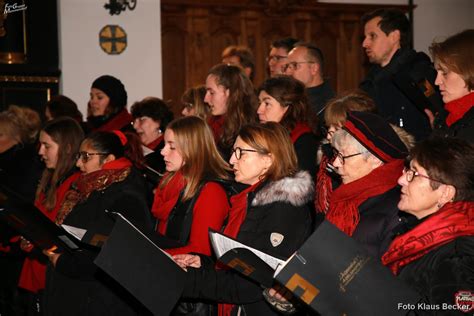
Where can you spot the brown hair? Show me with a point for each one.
(241, 103)
(245, 56)
(68, 134)
(20, 123)
(456, 54)
(154, 108)
(354, 100)
(272, 138)
(195, 142)
(450, 161)
(194, 97)
(290, 93)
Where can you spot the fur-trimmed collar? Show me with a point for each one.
(296, 190)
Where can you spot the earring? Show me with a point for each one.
(439, 205)
(159, 131)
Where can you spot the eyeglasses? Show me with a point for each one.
(294, 65)
(337, 154)
(188, 105)
(276, 58)
(85, 156)
(410, 174)
(238, 152)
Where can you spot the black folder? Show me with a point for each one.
(32, 224)
(141, 267)
(334, 275)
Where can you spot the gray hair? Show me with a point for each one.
(342, 138)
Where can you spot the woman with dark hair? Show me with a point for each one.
(271, 215)
(59, 142)
(434, 253)
(107, 107)
(61, 105)
(232, 101)
(193, 102)
(109, 183)
(455, 79)
(150, 118)
(283, 100)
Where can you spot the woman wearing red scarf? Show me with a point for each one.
(455, 79)
(271, 214)
(435, 252)
(59, 142)
(283, 100)
(107, 107)
(109, 182)
(150, 118)
(232, 102)
(369, 157)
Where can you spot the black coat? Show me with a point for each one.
(441, 273)
(75, 286)
(378, 218)
(391, 103)
(306, 148)
(463, 129)
(279, 207)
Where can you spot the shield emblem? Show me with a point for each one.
(276, 239)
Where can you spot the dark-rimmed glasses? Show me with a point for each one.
(410, 174)
(337, 154)
(85, 156)
(276, 58)
(294, 65)
(237, 151)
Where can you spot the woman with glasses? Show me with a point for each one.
(109, 182)
(455, 79)
(193, 102)
(368, 156)
(271, 215)
(434, 251)
(59, 142)
(232, 102)
(283, 100)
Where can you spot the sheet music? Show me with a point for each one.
(222, 244)
(74, 231)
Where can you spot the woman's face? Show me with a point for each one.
(188, 110)
(451, 84)
(171, 152)
(6, 142)
(98, 102)
(48, 150)
(331, 130)
(90, 159)
(270, 110)
(251, 166)
(147, 128)
(418, 197)
(216, 96)
(351, 168)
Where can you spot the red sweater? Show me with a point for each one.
(33, 273)
(210, 211)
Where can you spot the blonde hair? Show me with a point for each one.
(194, 97)
(195, 142)
(354, 100)
(20, 123)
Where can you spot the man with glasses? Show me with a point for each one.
(305, 63)
(278, 55)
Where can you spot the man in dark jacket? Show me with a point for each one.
(386, 43)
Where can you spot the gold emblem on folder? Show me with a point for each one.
(309, 290)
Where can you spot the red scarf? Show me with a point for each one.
(323, 190)
(216, 123)
(166, 198)
(237, 214)
(300, 129)
(119, 121)
(33, 272)
(458, 108)
(346, 199)
(111, 172)
(448, 223)
(155, 143)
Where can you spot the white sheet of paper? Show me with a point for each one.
(222, 244)
(75, 231)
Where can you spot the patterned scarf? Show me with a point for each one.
(346, 199)
(111, 172)
(453, 220)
